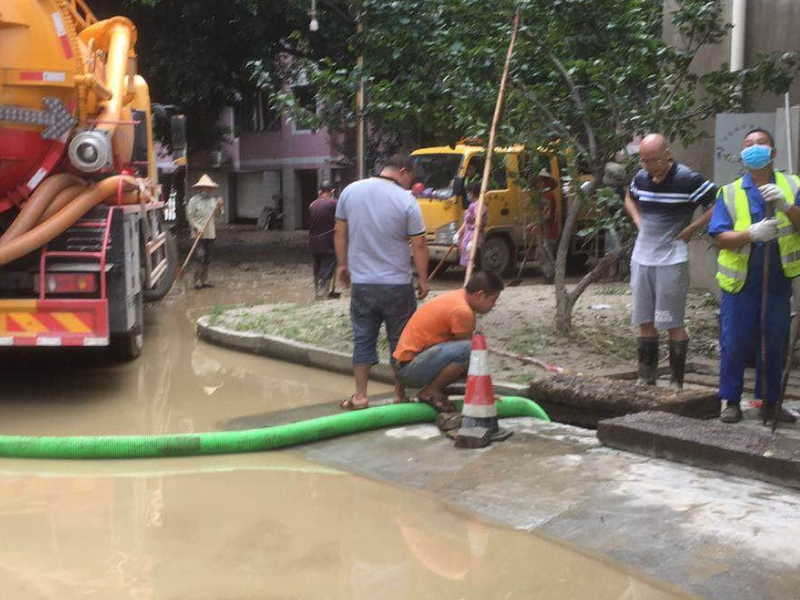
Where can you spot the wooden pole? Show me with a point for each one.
(441, 262)
(487, 166)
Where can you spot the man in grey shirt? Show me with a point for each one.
(376, 218)
(661, 202)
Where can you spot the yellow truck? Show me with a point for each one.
(443, 171)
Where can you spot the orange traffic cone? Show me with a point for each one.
(479, 416)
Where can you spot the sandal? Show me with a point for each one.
(448, 421)
(439, 402)
(350, 404)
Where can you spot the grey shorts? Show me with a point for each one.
(659, 294)
(425, 366)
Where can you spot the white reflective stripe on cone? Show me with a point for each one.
(480, 411)
(478, 363)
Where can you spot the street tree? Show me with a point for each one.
(195, 54)
(587, 77)
(605, 74)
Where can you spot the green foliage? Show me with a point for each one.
(588, 73)
(195, 54)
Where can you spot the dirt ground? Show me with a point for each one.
(256, 266)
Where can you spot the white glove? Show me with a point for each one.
(764, 231)
(772, 193)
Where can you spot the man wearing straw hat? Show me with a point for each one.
(200, 214)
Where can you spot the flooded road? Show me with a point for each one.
(264, 525)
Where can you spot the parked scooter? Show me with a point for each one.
(271, 217)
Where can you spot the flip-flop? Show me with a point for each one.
(349, 404)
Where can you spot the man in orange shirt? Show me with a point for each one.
(434, 348)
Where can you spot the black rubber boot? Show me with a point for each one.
(677, 363)
(648, 360)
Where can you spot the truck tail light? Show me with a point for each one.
(70, 283)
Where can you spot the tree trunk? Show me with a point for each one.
(564, 302)
(564, 306)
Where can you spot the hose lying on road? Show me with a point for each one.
(250, 440)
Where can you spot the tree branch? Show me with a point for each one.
(595, 273)
(555, 121)
(576, 98)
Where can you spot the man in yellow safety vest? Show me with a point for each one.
(743, 230)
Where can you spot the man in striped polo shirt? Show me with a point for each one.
(662, 200)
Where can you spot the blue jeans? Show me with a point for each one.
(425, 366)
(372, 304)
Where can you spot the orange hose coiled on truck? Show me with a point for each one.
(36, 205)
(65, 218)
(63, 198)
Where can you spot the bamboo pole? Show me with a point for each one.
(487, 166)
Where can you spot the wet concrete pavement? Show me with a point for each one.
(265, 525)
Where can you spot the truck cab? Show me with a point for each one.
(446, 171)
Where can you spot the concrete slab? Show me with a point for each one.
(744, 451)
(713, 535)
(584, 400)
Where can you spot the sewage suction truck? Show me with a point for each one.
(83, 241)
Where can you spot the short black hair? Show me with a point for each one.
(764, 131)
(326, 186)
(485, 281)
(400, 161)
(474, 188)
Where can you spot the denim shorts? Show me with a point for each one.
(425, 366)
(372, 304)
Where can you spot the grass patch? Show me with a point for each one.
(614, 290)
(530, 340)
(327, 327)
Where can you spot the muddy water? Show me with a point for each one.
(267, 525)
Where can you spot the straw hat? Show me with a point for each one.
(206, 182)
(545, 181)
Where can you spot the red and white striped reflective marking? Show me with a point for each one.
(51, 340)
(49, 161)
(61, 32)
(57, 76)
(36, 179)
(479, 396)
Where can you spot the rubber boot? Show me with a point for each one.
(677, 363)
(648, 360)
(319, 289)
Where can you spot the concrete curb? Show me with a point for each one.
(282, 348)
(706, 443)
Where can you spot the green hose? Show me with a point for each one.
(250, 440)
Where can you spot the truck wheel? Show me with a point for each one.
(164, 284)
(496, 255)
(127, 346)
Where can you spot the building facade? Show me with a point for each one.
(266, 160)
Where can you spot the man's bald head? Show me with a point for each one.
(654, 142)
(655, 156)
